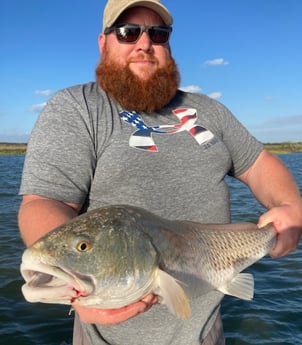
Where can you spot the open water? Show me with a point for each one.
(274, 317)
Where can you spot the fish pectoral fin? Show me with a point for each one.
(241, 286)
(173, 296)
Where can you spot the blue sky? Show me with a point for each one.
(245, 53)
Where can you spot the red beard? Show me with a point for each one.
(133, 93)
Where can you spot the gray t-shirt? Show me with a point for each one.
(85, 148)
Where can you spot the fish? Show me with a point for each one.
(115, 255)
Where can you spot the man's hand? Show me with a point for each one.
(275, 188)
(287, 220)
(115, 316)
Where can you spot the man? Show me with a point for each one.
(133, 138)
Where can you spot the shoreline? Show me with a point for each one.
(275, 148)
(13, 148)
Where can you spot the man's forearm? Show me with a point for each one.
(271, 182)
(38, 215)
(275, 188)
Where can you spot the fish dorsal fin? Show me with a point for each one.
(241, 286)
(173, 296)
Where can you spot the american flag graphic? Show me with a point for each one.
(142, 138)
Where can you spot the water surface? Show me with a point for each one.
(274, 317)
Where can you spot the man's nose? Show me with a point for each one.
(144, 43)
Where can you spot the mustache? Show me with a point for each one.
(143, 57)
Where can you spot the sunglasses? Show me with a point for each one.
(130, 33)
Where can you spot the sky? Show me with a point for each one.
(247, 54)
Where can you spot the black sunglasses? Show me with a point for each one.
(130, 33)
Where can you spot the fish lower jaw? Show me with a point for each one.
(60, 294)
(53, 286)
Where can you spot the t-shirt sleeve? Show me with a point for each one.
(60, 158)
(244, 148)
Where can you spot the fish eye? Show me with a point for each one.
(83, 246)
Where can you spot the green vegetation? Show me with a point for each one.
(276, 148)
(286, 147)
(12, 149)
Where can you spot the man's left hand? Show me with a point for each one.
(287, 220)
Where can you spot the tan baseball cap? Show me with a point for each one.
(114, 8)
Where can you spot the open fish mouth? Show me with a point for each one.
(51, 284)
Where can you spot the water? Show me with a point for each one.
(274, 317)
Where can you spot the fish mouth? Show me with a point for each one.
(52, 284)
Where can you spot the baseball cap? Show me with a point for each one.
(114, 8)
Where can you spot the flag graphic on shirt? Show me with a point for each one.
(142, 137)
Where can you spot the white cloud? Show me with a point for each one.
(215, 95)
(278, 129)
(197, 89)
(43, 92)
(36, 108)
(280, 122)
(217, 62)
(14, 136)
(191, 88)
(268, 98)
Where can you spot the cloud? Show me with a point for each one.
(14, 136)
(282, 122)
(268, 98)
(197, 89)
(215, 95)
(216, 62)
(43, 92)
(191, 88)
(278, 129)
(36, 108)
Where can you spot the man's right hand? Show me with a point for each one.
(115, 316)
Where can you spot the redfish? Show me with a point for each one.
(115, 255)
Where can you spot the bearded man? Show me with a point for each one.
(134, 138)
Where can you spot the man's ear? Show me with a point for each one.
(101, 41)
